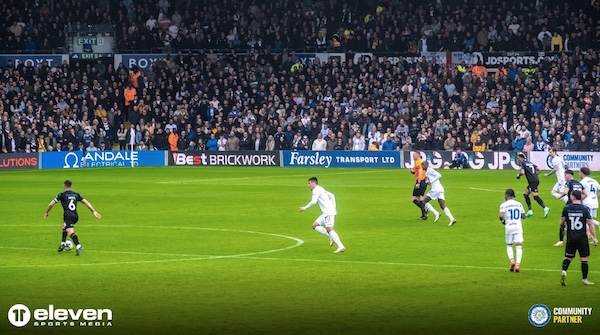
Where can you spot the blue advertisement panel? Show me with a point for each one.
(79, 159)
(142, 61)
(368, 159)
(33, 60)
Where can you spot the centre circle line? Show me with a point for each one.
(298, 243)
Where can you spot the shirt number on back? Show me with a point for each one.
(514, 214)
(72, 205)
(576, 223)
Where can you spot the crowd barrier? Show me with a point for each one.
(33, 60)
(491, 160)
(79, 159)
(225, 158)
(573, 160)
(367, 159)
(19, 161)
(491, 60)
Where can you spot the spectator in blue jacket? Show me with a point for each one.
(211, 143)
(518, 143)
(389, 143)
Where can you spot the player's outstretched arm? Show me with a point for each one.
(88, 205)
(538, 170)
(521, 172)
(49, 208)
(564, 193)
(553, 171)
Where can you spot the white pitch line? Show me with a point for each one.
(214, 180)
(485, 189)
(299, 242)
(113, 252)
(396, 264)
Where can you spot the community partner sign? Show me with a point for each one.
(573, 159)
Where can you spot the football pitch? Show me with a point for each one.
(225, 251)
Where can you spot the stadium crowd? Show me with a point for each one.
(266, 99)
(309, 25)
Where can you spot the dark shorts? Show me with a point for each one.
(420, 191)
(533, 186)
(69, 222)
(581, 246)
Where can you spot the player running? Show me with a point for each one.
(432, 178)
(575, 217)
(420, 185)
(570, 185)
(325, 222)
(69, 200)
(531, 172)
(590, 187)
(511, 213)
(558, 168)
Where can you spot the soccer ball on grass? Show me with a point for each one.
(68, 245)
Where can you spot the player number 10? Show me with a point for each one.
(514, 214)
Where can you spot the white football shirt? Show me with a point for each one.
(433, 178)
(325, 199)
(560, 164)
(513, 210)
(591, 186)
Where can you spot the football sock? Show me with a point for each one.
(561, 234)
(566, 263)
(584, 269)
(509, 252)
(431, 209)
(321, 230)
(64, 236)
(555, 194)
(75, 239)
(596, 222)
(334, 236)
(539, 201)
(519, 253)
(448, 214)
(528, 201)
(421, 206)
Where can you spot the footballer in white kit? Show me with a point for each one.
(511, 212)
(590, 186)
(325, 222)
(436, 192)
(558, 168)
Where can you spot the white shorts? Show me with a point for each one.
(593, 212)
(559, 186)
(516, 238)
(435, 195)
(326, 220)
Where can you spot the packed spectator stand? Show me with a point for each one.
(232, 79)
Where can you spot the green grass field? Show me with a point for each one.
(225, 251)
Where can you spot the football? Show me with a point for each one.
(68, 245)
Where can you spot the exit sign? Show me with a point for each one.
(90, 40)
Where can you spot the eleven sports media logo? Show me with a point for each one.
(539, 315)
(20, 316)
